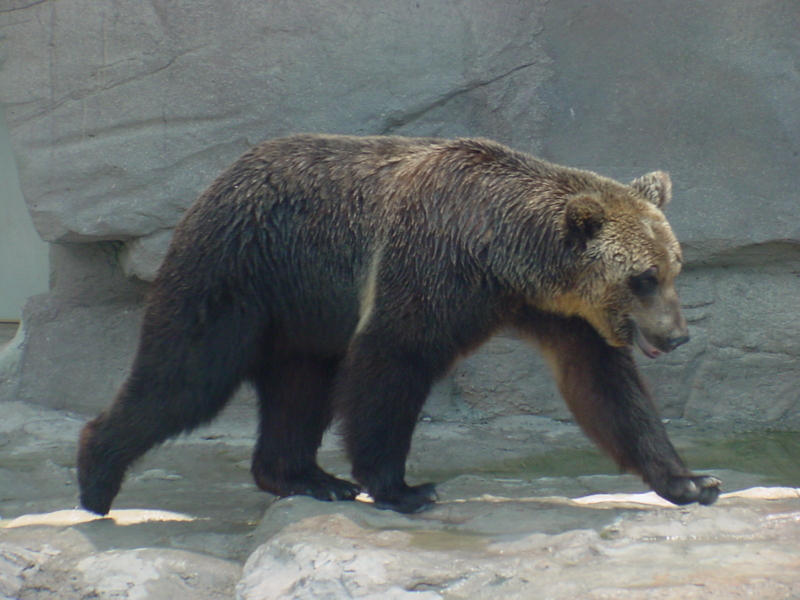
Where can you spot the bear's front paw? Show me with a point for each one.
(703, 489)
(409, 500)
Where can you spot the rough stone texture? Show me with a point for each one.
(124, 113)
(152, 573)
(15, 560)
(741, 552)
(705, 92)
(743, 364)
(75, 344)
(120, 114)
(66, 566)
(526, 510)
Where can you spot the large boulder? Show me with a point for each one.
(641, 553)
(120, 114)
(128, 111)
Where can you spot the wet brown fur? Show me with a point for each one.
(343, 276)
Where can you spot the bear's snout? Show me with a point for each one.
(676, 341)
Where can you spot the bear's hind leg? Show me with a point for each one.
(295, 410)
(605, 392)
(175, 385)
(141, 417)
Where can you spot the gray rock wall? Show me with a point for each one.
(120, 114)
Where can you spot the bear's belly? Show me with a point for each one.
(319, 323)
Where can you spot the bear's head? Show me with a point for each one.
(624, 283)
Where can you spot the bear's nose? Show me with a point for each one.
(676, 341)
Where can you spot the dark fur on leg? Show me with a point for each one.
(99, 475)
(605, 392)
(159, 401)
(295, 409)
(381, 393)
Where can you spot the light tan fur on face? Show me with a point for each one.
(635, 237)
(638, 244)
(573, 303)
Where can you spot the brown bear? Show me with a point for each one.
(342, 276)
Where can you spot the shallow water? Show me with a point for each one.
(775, 455)
(206, 475)
(772, 456)
(500, 483)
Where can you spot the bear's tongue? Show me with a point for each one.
(646, 347)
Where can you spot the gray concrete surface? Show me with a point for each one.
(527, 508)
(7, 332)
(24, 268)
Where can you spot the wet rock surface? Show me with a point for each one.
(742, 548)
(527, 509)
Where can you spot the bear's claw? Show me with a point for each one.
(703, 489)
(333, 490)
(317, 483)
(411, 501)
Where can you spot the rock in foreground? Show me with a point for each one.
(743, 548)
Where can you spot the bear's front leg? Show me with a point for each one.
(604, 390)
(380, 394)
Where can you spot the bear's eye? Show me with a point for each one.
(645, 284)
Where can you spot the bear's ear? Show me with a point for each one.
(655, 186)
(584, 216)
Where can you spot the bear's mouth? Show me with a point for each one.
(648, 349)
